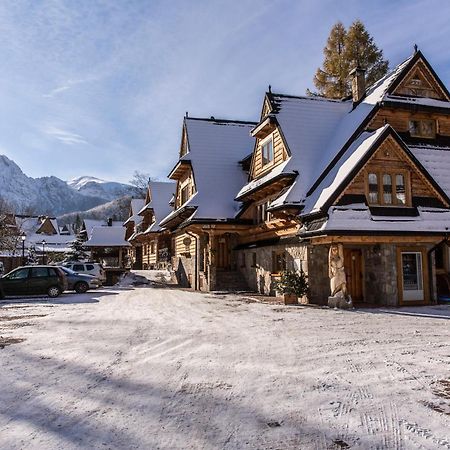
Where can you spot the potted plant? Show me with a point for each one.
(292, 285)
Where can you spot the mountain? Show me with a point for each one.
(117, 209)
(52, 196)
(95, 187)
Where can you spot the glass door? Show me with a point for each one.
(412, 276)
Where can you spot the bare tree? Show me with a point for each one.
(140, 181)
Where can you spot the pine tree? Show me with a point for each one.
(331, 79)
(360, 49)
(76, 252)
(344, 51)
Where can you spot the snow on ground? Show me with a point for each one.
(159, 368)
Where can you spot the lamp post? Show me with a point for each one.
(23, 237)
(43, 251)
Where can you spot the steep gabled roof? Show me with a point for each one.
(215, 148)
(306, 124)
(353, 160)
(348, 126)
(436, 161)
(135, 206)
(161, 193)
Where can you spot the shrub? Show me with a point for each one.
(292, 282)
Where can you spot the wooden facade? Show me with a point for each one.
(271, 230)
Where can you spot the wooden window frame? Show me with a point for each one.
(421, 134)
(276, 268)
(263, 144)
(184, 190)
(393, 174)
(261, 214)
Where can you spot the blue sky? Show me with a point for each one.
(100, 87)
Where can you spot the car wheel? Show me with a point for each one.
(81, 287)
(53, 291)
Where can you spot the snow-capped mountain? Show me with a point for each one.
(95, 187)
(117, 209)
(50, 195)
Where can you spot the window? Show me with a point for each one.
(89, 267)
(400, 190)
(392, 190)
(279, 262)
(387, 189)
(267, 151)
(20, 274)
(254, 259)
(184, 195)
(152, 248)
(78, 268)
(39, 272)
(373, 188)
(262, 215)
(422, 128)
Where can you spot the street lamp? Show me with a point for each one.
(44, 242)
(23, 237)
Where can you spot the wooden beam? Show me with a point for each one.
(368, 240)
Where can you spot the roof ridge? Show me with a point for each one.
(214, 119)
(309, 97)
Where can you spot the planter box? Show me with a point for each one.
(290, 299)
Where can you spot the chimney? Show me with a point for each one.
(110, 222)
(358, 84)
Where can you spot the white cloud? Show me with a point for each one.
(64, 136)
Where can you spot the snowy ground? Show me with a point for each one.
(158, 368)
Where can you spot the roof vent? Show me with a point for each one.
(358, 84)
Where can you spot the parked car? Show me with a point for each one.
(33, 280)
(91, 268)
(80, 282)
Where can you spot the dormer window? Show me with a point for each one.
(388, 189)
(185, 194)
(422, 128)
(267, 151)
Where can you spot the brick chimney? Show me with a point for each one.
(358, 84)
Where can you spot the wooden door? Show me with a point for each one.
(223, 253)
(353, 272)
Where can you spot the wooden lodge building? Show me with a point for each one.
(151, 244)
(368, 172)
(206, 221)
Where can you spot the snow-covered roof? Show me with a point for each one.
(89, 224)
(423, 101)
(215, 148)
(29, 226)
(135, 206)
(436, 160)
(107, 237)
(358, 216)
(161, 192)
(312, 154)
(347, 163)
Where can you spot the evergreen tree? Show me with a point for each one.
(76, 252)
(331, 79)
(360, 49)
(344, 51)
